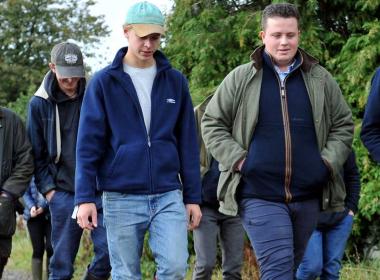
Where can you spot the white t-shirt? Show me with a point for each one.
(142, 79)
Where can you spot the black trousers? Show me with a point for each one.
(3, 262)
(40, 234)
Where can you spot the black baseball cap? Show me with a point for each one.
(68, 60)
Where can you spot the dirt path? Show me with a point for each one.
(16, 275)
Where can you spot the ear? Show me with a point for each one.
(262, 35)
(52, 67)
(126, 30)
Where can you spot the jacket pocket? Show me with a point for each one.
(130, 166)
(337, 192)
(165, 165)
(7, 217)
(228, 182)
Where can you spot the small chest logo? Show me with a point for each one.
(71, 58)
(170, 100)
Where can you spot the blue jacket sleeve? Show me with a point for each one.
(352, 183)
(43, 178)
(28, 198)
(90, 143)
(188, 150)
(370, 133)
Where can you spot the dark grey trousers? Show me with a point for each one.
(230, 232)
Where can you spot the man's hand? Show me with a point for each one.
(4, 194)
(39, 210)
(87, 216)
(239, 165)
(194, 215)
(49, 195)
(33, 212)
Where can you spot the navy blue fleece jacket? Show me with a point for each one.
(114, 151)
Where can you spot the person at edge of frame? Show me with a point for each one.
(325, 249)
(214, 225)
(16, 169)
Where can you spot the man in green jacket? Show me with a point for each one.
(280, 129)
(16, 169)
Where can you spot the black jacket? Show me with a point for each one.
(16, 161)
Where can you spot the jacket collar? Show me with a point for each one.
(49, 83)
(307, 60)
(161, 61)
(202, 106)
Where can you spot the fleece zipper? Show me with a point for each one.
(287, 135)
(288, 140)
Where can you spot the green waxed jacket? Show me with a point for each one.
(205, 157)
(231, 116)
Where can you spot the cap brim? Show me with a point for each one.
(70, 71)
(143, 30)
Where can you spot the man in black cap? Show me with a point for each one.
(53, 117)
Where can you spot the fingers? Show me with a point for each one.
(94, 219)
(50, 195)
(195, 219)
(85, 224)
(194, 216)
(87, 216)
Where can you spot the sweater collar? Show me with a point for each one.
(307, 61)
(161, 61)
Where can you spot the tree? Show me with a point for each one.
(207, 39)
(28, 31)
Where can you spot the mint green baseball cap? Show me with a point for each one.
(145, 18)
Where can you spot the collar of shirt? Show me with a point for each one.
(283, 74)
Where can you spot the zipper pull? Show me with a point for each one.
(149, 141)
(282, 91)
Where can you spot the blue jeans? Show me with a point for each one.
(278, 233)
(230, 232)
(65, 238)
(128, 217)
(325, 251)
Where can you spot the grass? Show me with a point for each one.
(22, 252)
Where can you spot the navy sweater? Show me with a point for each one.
(264, 171)
(114, 151)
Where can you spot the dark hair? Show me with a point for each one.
(284, 10)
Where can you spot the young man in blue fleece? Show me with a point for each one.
(137, 143)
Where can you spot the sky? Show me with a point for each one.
(115, 12)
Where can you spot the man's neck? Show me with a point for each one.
(137, 63)
(286, 67)
(70, 93)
